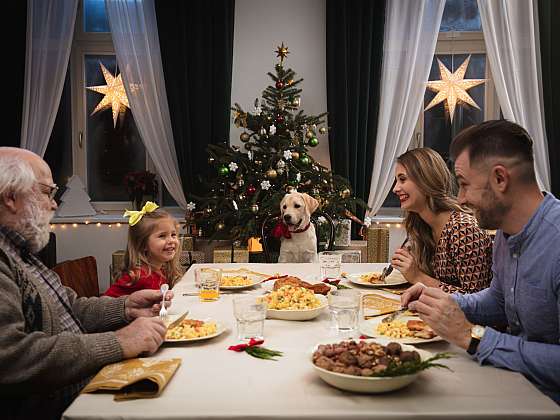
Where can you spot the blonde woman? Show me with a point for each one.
(446, 248)
(152, 253)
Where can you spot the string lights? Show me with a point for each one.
(74, 225)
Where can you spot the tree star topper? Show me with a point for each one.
(453, 87)
(282, 52)
(115, 95)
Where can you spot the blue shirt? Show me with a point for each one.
(525, 296)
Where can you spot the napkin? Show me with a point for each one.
(134, 378)
(374, 304)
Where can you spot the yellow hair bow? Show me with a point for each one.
(135, 216)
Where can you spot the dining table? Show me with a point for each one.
(213, 382)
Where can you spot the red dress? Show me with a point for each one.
(125, 286)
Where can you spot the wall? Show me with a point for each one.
(261, 26)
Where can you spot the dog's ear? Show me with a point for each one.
(310, 203)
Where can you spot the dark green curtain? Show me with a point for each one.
(549, 12)
(196, 41)
(15, 34)
(354, 59)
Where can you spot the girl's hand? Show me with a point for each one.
(404, 262)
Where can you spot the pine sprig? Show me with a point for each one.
(263, 353)
(413, 366)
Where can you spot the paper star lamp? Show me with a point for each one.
(115, 95)
(453, 87)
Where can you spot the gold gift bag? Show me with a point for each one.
(134, 378)
(378, 244)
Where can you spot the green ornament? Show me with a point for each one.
(313, 141)
(223, 170)
(305, 160)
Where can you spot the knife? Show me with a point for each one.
(394, 315)
(178, 320)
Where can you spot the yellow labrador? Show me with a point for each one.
(297, 233)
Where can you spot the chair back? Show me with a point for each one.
(80, 275)
(271, 245)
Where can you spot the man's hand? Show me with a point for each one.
(145, 303)
(441, 312)
(143, 335)
(404, 262)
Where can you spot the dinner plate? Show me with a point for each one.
(298, 314)
(369, 328)
(366, 384)
(256, 278)
(220, 328)
(393, 279)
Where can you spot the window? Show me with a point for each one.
(100, 153)
(460, 36)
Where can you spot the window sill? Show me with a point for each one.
(108, 217)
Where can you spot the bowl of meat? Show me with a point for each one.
(369, 367)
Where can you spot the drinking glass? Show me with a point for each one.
(344, 306)
(329, 265)
(250, 312)
(209, 280)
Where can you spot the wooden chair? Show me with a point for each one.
(80, 275)
(271, 246)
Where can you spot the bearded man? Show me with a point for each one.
(495, 170)
(51, 342)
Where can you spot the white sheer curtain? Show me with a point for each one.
(411, 30)
(512, 41)
(50, 27)
(135, 37)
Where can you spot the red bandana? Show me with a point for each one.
(282, 230)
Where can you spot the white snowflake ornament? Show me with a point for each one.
(191, 206)
(272, 129)
(233, 166)
(287, 154)
(265, 185)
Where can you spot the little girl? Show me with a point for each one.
(152, 253)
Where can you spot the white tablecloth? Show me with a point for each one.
(215, 383)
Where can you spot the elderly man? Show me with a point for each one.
(51, 343)
(495, 170)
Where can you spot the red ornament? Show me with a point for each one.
(251, 190)
(279, 84)
(280, 119)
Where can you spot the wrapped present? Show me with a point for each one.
(117, 262)
(230, 254)
(189, 258)
(360, 246)
(207, 246)
(254, 245)
(350, 255)
(378, 244)
(187, 242)
(343, 232)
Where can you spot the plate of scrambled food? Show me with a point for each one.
(242, 278)
(406, 329)
(294, 303)
(194, 330)
(369, 367)
(373, 279)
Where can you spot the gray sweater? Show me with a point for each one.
(39, 361)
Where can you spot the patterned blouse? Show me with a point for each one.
(463, 258)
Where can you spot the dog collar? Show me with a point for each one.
(282, 230)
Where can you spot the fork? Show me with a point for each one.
(389, 269)
(163, 311)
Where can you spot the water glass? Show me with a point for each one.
(344, 306)
(209, 280)
(250, 312)
(330, 264)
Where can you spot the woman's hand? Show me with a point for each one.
(404, 262)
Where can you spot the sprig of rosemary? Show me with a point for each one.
(342, 286)
(263, 352)
(413, 366)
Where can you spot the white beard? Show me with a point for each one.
(34, 226)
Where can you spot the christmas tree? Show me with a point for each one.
(249, 185)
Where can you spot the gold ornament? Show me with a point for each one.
(220, 226)
(322, 130)
(295, 155)
(282, 52)
(240, 118)
(295, 102)
(255, 208)
(115, 95)
(309, 134)
(453, 87)
(244, 137)
(345, 193)
(271, 173)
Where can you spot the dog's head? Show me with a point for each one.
(296, 209)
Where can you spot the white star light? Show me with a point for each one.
(287, 154)
(191, 206)
(115, 95)
(233, 166)
(272, 130)
(265, 185)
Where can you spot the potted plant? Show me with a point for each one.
(139, 184)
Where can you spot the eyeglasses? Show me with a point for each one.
(53, 189)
